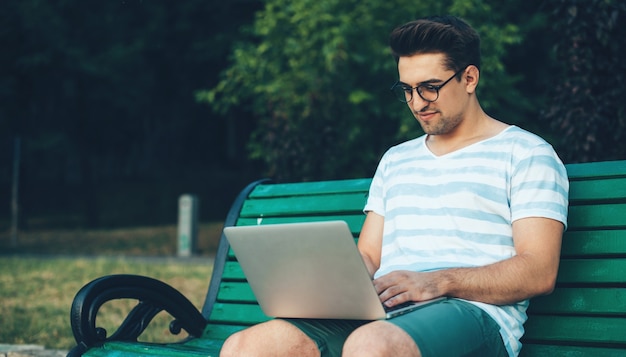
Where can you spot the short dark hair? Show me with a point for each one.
(449, 35)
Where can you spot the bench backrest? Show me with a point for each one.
(586, 313)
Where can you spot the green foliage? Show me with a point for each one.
(103, 92)
(587, 106)
(317, 77)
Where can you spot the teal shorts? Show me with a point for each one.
(448, 328)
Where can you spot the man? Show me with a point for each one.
(474, 210)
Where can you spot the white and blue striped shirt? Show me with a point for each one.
(457, 210)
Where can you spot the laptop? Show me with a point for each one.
(309, 270)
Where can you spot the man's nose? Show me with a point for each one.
(417, 103)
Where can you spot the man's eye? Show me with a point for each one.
(407, 89)
(428, 88)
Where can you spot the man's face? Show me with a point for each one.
(442, 116)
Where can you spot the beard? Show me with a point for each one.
(441, 125)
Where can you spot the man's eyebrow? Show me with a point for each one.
(428, 81)
(432, 80)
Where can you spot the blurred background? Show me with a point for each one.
(110, 110)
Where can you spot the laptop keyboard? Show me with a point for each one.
(394, 308)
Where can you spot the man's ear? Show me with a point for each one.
(471, 76)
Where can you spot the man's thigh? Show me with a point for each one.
(452, 328)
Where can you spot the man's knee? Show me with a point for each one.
(273, 338)
(229, 348)
(380, 338)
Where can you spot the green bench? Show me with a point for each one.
(585, 316)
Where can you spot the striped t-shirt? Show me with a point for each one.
(457, 210)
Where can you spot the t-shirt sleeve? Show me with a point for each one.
(375, 202)
(539, 186)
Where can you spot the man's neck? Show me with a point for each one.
(473, 129)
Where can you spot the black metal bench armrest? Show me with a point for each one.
(154, 296)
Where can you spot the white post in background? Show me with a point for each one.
(187, 225)
(15, 191)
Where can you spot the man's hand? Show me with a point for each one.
(401, 286)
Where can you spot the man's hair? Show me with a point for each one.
(449, 35)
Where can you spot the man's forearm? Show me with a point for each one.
(369, 264)
(505, 282)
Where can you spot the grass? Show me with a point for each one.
(37, 290)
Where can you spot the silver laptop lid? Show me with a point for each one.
(306, 270)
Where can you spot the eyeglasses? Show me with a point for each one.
(426, 91)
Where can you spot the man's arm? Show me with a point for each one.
(371, 241)
(532, 271)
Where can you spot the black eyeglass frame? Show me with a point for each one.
(428, 86)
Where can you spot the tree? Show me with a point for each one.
(587, 106)
(103, 92)
(317, 78)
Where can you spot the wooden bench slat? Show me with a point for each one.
(582, 271)
(101, 352)
(237, 314)
(139, 349)
(596, 169)
(605, 216)
(311, 188)
(579, 330)
(304, 205)
(589, 243)
(592, 271)
(216, 332)
(606, 271)
(598, 190)
(586, 301)
(233, 272)
(355, 221)
(569, 351)
(173, 349)
(236, 292)
(109, 352)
